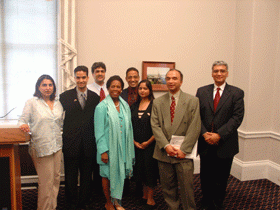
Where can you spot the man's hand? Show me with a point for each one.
(171, 151)
(180, 154)
(212, 138)
(104, 157)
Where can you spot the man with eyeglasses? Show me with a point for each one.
(221, 111)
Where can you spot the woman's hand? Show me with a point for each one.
(138, 145)
(145, 144)
(25, 128)
(105, 157)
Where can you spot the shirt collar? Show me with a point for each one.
(176, 95)
(98, 87)
(79, 92)
(222, 87)
(132, 90)
(37, 98)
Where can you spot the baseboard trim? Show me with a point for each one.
(252, 170)
(34, 179)
(243, 171)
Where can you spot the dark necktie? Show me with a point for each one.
(172, 109)
(102, 94)
(217, 99)
(83, 102)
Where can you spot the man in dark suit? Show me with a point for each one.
(222, 111)
(79, 146)
(130, 94)
(176, 113)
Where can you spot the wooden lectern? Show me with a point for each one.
(10, 137)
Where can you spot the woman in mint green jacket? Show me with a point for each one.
(114, 139)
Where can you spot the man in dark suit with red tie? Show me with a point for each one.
(79, 147)
(221, 111)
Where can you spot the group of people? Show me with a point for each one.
(111, 134)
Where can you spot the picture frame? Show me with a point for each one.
(155, 72)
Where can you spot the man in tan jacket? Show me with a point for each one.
(176, 113)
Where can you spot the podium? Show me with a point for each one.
(10, 177)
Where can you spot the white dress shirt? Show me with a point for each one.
(96, 88)
(45, 125)
(222, 87)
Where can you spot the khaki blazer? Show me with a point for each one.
(186, 123)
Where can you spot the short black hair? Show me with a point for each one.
(98, 65)
(81, 68)
(131, 69)
(177, 71)
(38, 83)
(112, 78)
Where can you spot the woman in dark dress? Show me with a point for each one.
(146, 169)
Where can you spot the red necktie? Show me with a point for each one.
(102, 94)
(172, 109)
(217, 99)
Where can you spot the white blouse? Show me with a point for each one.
(45, 125)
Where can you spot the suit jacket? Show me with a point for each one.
(225, 121)
(186, 123)
(78, 128)
(124, 94)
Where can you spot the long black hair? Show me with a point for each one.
(149, 86)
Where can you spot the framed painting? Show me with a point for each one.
(155, 72)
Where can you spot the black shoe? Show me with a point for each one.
(149, 207)
(86, 207)
(71, 207)
(141, 201)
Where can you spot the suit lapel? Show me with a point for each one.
(165, 111)
(224, 97)
(179, 112)
(75, 99)
(88, 99)
(210, 96)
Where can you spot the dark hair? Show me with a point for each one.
(112, 78)
(149, 86)
(131, 69)
(81, 68)
(177, 71)
(38, 83)
(98, 65)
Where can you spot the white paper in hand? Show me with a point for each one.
(176, 141)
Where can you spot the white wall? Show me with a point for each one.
(124, 33)
(195, 33)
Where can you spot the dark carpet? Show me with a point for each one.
(256, 194)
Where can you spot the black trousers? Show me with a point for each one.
(73, 165)
(214, 174)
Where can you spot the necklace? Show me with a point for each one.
(117, 105)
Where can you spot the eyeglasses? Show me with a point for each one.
(222, 71)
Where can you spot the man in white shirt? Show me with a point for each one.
(98, 71)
